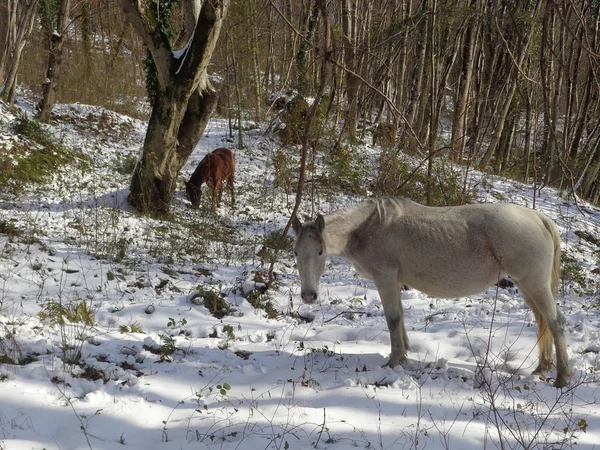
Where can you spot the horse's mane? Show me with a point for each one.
(386, 209)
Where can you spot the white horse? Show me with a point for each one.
(444, 252)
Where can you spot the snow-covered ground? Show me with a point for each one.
(152, 368)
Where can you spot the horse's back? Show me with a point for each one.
(452, 251)
(228, 158)
(513, 235)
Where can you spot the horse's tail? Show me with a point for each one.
(553, 230)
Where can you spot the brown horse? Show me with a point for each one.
(216, 167)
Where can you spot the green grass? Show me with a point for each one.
(34, 158)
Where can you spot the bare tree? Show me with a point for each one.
(183, 105)
(21, 18)
(6, 12)
(349, 32)
(516, 64)
(459, 124)
(54, 61)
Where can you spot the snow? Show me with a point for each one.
(158, 371)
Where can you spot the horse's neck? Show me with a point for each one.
(338, 228)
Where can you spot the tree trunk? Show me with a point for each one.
(238, 95)
(547, 61)
(352, 82)
(168, 144)
(6, 16)
(462, 101)
(430, 132)
(590, 178)
(504, 110)
(312, 20)
(255, 64)
(184, 102)
(25, 23)
(527, 147)
(54, 61)
(310, 121)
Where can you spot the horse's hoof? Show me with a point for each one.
(541, 370)
(562, 381)
(395, 362)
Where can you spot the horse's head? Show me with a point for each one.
(193, 193)
(310, 253)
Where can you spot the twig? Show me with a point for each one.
(320, 433)
(345, 312)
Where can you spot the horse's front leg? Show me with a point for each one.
(220, 194)
(214, 199)
(389, 292)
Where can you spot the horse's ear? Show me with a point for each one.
(320, 223)
(296, 225)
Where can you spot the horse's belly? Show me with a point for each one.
(454, 283)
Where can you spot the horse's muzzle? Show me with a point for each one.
(309, 297)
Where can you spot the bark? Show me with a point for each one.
(255, 64)
(528, 98)
(400, 88)
(238, 96)
(184, 103)
(508, 99)
(50, 84)
(269, 78)
(349, 25)
(462, 101)
(312, 21)
(311, 120)
(431, 133)
(417, 81)
(590, 179)
(549, 76)
(6, 15)
(24, 26)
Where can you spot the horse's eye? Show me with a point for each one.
(321, 252)
(295, 253)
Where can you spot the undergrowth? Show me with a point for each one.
(397, 176)
(34, 158)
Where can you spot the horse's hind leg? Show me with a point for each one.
(544, 341)
(230, 183)
(551, 324)
(389, 292)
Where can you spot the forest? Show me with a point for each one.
(138, 311)
(502, 86)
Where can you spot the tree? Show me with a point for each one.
(183, 104)
(54, 60)
(20, 19)
(349, 33)
(5, 13)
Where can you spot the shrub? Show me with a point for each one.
(285, 174)
(75, 312)
(34, 159)
(124, 164)
(385, 135)
(294, 117)
(572, 272)
(274, 244)
(213, 301)
(261, 300)
(396, 176)
(348, 170)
